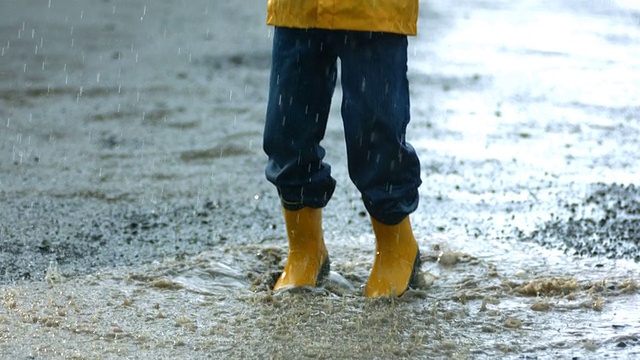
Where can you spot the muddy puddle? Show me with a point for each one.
(216, 304)
(135, 221)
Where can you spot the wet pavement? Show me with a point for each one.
(135, 220)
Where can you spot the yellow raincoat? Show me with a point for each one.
(394, 16)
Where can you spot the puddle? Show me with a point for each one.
(493, 306)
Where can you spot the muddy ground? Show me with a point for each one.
(135, 220)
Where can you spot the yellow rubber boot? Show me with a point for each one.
(308, 259)
(397, 260)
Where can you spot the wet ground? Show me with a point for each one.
(136, 222)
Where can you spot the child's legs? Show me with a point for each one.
(375, 111)
(303, 76)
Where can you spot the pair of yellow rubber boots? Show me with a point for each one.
(394, 268)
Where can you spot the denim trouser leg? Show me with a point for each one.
(303, 77)
(376, 111)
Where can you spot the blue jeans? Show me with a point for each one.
(375, 114)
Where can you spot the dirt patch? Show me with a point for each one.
(606, 222)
